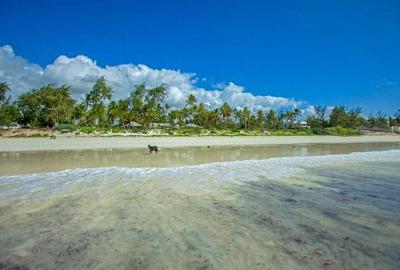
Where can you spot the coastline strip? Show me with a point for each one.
(82, 143)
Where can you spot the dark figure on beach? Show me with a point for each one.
(53, 137)
(152, 148)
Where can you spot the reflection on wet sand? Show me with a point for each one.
(47, 161)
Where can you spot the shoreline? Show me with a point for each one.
(87, 143)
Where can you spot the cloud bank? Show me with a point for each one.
(81, 72)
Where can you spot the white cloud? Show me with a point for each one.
(17, 71)
(311, 111)
(81, 72)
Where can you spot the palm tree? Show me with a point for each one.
(79, 114)
(243, 116)
(174, 117)
(237, 115)
(190, 108)
(246, 115)
(272, 120)
(226, 112)
(260, 118)
(213, 118)
(112, 112)
(288, 117)
(296, 114)
(396, 118)
(4, 87)
(154, 108)
(136, 103)
(191, 101)
(202, 116)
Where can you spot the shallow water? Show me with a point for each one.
(12, 163)
(304, 212)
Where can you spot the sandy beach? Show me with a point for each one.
(314, 202)
(331, 211)
(81, 143)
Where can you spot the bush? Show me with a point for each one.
(87, 130)
(341, 131)
(319, 131)
(66, 127)
(292, 132)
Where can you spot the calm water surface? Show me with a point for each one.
(307, 207)
(12, 163)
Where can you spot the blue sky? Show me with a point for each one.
(320, 52)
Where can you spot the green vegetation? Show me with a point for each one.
(87, 130)
(145, 109)
(8, 110)
(47, 106)
(342, 131)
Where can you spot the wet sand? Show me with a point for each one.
(319, 212)
(263, 206)
(65, 143)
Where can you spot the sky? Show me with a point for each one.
(270, 54)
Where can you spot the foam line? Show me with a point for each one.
(206, 174)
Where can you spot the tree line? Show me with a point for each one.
(51, 106)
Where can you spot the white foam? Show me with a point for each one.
(197, 175)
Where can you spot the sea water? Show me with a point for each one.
(338, 211)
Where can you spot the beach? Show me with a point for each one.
(200, 135)
(79, 143)
(316, 202)
(329, 211)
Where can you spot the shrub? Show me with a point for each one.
(341, 131)
(319, 131)
(66, 127)
(87, 130)
(292, 132)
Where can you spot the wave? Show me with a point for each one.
(202, 176)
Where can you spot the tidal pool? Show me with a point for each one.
(333, 211)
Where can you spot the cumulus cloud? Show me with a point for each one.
(81, 72)
(311, 111)
(17, 71)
